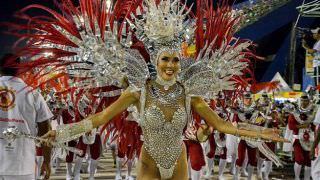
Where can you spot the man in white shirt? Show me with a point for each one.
(28, 112)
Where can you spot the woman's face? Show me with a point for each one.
(168, 65)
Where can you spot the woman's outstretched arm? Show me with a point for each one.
(201, 107)
(75, 130)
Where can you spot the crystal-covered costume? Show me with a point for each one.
(164, 120)
(88, 44)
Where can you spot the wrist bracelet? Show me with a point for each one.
(68, 132)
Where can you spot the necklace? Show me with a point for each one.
(166, 84)
(166, 98)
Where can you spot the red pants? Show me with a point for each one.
(301, 156)
(95, 148)
(242, 148)
(69, 157)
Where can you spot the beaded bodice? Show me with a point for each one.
(165, 118)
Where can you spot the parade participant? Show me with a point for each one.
(315, 149)
(196, 135)
(264, 107)
(165, 103)
(315, 156)
(91, 141)
(247, 112)
(300, 122)
(231, 140)
(67, 118)
(220, 138)
(129, 141)
(286, 110)
(270, 119)
(25, 109)
(57, 153)
(272, 122)
(210, 148)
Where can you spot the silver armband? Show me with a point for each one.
(68, 132)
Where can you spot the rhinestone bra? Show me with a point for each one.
(163, 126)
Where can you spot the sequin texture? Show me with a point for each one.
(163, 127)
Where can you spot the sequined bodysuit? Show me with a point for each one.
(164, 120)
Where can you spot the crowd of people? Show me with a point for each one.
(300, 121)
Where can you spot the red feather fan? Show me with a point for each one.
(268, 86)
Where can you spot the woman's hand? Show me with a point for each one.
(203, 133)
(273, 135)
(49, 137)
(190, 133)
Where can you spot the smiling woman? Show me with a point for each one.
(96, 58)
(168, 66)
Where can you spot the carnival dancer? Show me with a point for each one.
(270, 119)
(67, 116)
(165, 103)
(210, 149)
(300, 122)
(315, 149)
(288, 107)
(196, 135)
(264, 106)
(247, 112)
(220, 138)
(231, 140)
(92, 142)
(129, 142)
(90, 102)
(315, 155)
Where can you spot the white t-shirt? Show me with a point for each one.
(316, 46)
(316, 120)
(23, 109)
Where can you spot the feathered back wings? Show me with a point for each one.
(91, 44)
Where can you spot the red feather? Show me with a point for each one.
(268, 86)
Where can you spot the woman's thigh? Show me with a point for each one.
(181, 169)
(147, 168)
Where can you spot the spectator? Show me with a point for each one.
(316, 46)
(28, 112)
